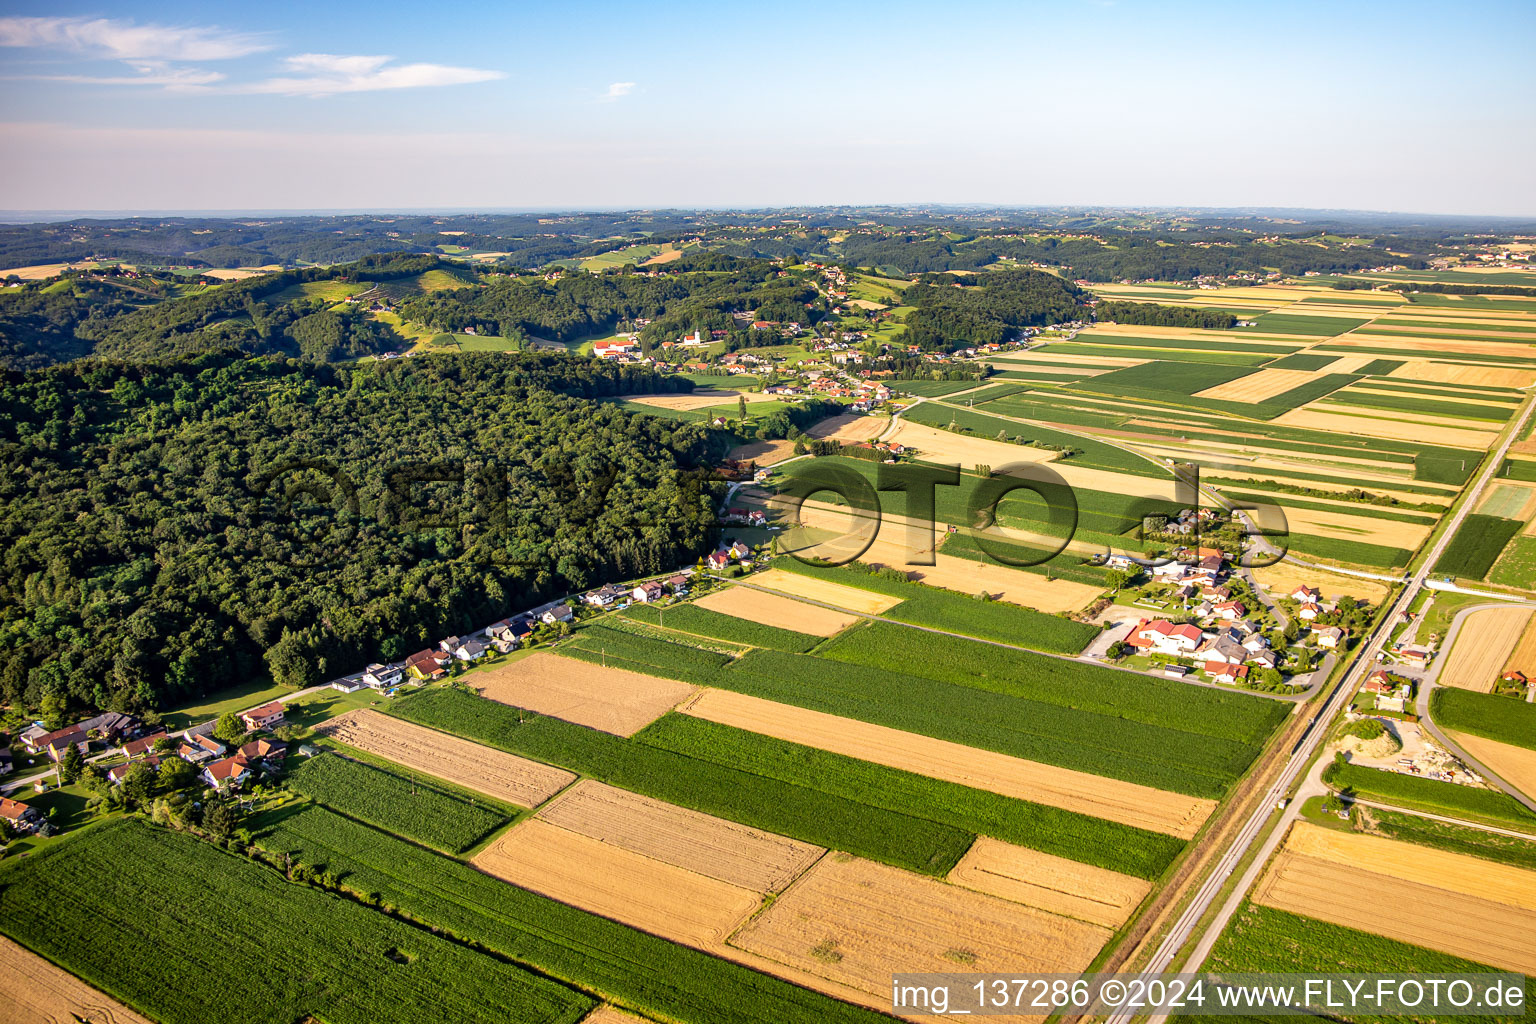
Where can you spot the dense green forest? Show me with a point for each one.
(171, 528)
(951, 313)
(1153, 314)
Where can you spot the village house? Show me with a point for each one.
(647, 592)
(64, 739)
(1163, 637)
(677, 583)
(559, 613)
(349, 684)
(116, 773)
(469, 650)
(717, 560)
(1264, 659)
(228, 773)
(1378, 682)
(143, 745)
(739, 550)
(381, 677)
(263, 751)
(1307, 595)
(268, 716)
(1230, 610)
(199, 748)
(21, 817)
(602, 597)
(1222, 672)
(1308, 612)
(1329, 636)
(425, 665)
(1224, 649)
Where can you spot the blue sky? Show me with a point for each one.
(324, 105)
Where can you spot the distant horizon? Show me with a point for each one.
(48, 215)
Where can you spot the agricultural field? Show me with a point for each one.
(34, 990)
(614, 700)
(494, 773)
(1450, 902)
(1506, 719)
(1052, 884)
(1446, 798)
(1483, 646)
(212, 916)
(779, 612)
(1477, 544)
(843, 596)
(396, 804)
(1514, 763)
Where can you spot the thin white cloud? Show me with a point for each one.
(618, 90)
(149, 73)
(125, 40)
(324, 74)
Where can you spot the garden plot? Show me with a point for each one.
(1046, 882)
(856, 922)
(481, 769)
(1111, 799)
(1483, 646)
(628, 887)
(773, 610)
(33, 991)
(714, 847)
(614, 700)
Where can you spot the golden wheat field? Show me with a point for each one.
(857, 922)
(1515, 765)
(33, 991)
(764, 453)
(1523, 657)
(774, 610)
(848, 428)
(1049, 883)
(607, 879)
(1459, 373)
(1259, 386)
(1397, 428)
(1285, 576)
(1483, 646)
(702, 399)
(1112, 799)
(714, 847)
(614, 700)
(852, 598)
(494, 773)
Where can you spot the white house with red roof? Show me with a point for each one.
(1163, 637)
(1306, 594)
(267, 716)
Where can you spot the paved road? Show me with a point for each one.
(1427, 685)
(1317, 729)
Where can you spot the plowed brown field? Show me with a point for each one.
(1112, 799)
(714, 847)
(611, 699)
(1049, 883)
(495, 773)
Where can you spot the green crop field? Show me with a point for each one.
(1416, 793)
(396, 804)
(1380, 367)
(1516, 567)
(1494, 717)
(1265, 940)
(621, 649)
(943, 609)
(1519, 469)
(1231, 357)
(1302, 361)
(786, 808)
(932, 388)
(1064, 833)
(187, 933)
(1472, 551)
(659, 978)
(1379, 556)
(1443, 835)
(1065, 566)
(1415, 403)
(690, 618)
(1013, 713)
(1093, 454)
(987, 394)
(1310, 326)
(1167, 377)
(1285, 500)
(1505, 501)
(1237, 343)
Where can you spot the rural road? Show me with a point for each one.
(1317, 729)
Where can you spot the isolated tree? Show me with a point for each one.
(229, 728)
(71, 764)
(741, 406)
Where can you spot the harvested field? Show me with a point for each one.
(494, 773)
(701, 399)
(1456, 373)
(764, 453)
(1347, 364)
(614, 700)
(773, 610)
(1523, 657)
(1515, 765)
(1483, 646)
(848, 428)
(1053, 884)
(33, 991)
(852, 598)
(1043, 356)
(1397, 427)
(936, 445)
(1384, 389)
(1111, 799)
(714, 847)
(857, 922)
(606, 1014)
(1285, 576)
(606, 879)
(662, 257)
(1257, 387)
(1412, 912)
(1441, 344)
(1352, 527)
